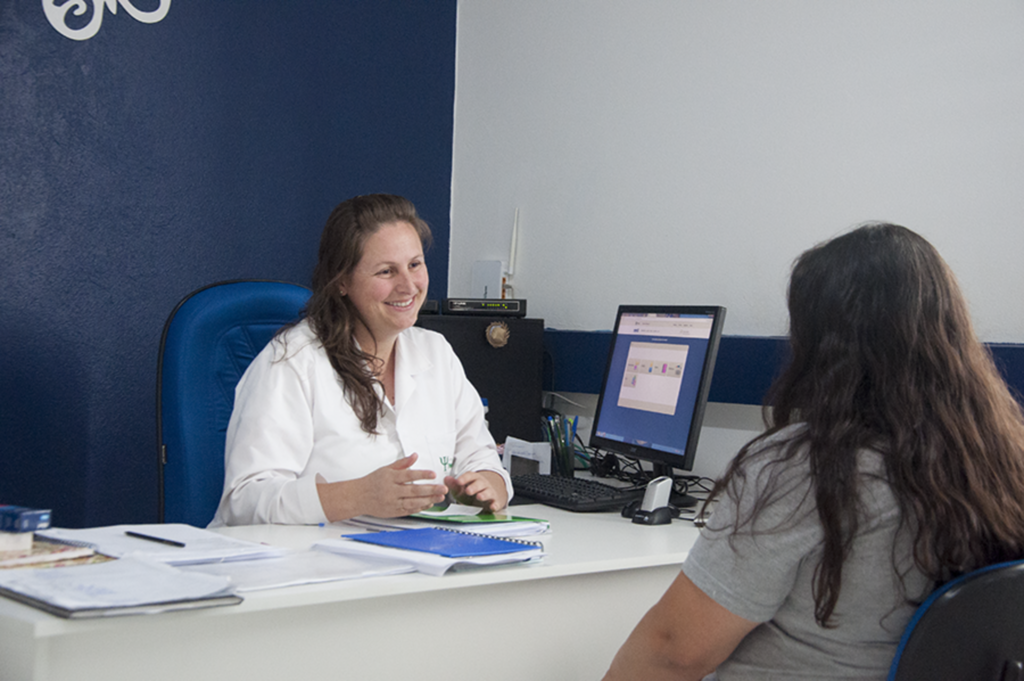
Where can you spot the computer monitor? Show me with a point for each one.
(656, 383)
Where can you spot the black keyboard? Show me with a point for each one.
(573, 494)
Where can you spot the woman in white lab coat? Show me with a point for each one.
(353, 410)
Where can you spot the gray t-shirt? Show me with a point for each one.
(765, 574)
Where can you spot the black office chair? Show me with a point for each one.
(208, 342)
(970, 629)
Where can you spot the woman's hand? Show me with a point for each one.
(388, 492)
(479, 488)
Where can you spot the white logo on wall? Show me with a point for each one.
(58, 14)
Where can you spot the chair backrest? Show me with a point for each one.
(970, 629)
(208, 342)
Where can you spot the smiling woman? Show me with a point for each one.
(353, 410)
(387, 288)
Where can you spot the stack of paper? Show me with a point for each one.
(296, 568)
(118, 587)
(43, 552)
(173, 544)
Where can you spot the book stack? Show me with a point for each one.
(17, 523)
(43, 553)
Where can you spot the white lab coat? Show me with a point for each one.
(291, 423)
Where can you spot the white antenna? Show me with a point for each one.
(512, 248)
(507, 290)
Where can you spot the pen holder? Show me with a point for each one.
(561, 458)
(561, 435)
(558, 465)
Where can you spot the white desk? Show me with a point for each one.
(561, 619)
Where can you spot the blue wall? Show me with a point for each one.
(744, 370)
(156, 158)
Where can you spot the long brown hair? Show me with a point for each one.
(330, 314)
(884, 356)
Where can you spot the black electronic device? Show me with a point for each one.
(656, 383)
(654, 509)
(504, 360)
(491, 307)
(573, 494)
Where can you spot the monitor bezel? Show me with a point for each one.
(663, 462)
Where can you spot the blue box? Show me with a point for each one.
(23, 519)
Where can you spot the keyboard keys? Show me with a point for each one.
(573, 494)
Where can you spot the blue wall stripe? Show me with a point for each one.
(746, 365)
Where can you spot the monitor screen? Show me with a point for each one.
(656, 383)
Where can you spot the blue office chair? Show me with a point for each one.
(208, 342)
(970, 629)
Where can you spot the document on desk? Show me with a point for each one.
(117, 587)
(434, 551)
(173, 544)
(466, 518)
(296, 568)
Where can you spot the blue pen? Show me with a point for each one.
(569, 449)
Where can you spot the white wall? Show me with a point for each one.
(685, 151)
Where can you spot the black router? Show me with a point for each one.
(491, 307)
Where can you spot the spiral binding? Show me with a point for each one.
(492, 536)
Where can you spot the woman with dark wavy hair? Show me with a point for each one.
(353, 410)
(893, 461)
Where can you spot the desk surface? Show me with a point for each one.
(561, 618)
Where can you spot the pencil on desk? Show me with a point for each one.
(159, 540)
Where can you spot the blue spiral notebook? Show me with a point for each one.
(447, 543)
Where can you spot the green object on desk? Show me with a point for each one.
(478, 518)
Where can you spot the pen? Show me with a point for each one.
(159, 540)
(556, 448)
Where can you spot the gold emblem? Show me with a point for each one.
(497, 334)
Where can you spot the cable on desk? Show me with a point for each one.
(630, 470)
(626, 469)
